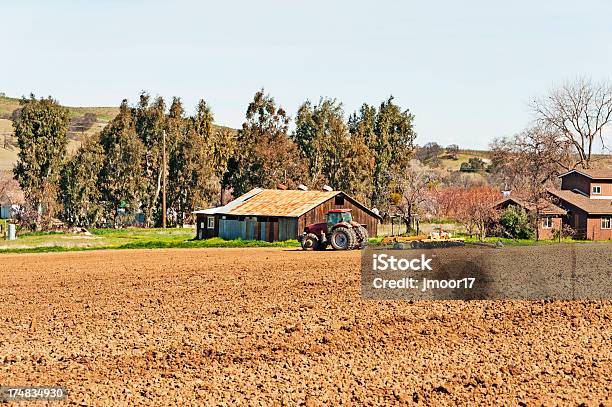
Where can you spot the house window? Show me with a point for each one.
(606, 222)
(339, 200)
(211, 222)
(547, 223)
(201, 225)
(596, 190)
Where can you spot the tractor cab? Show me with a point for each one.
(336, 216)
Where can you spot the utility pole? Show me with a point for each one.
(164, 180)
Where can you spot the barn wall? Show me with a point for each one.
(287, 229)
(202, 231)
(276, 229)
(317, 215)
(230, 229)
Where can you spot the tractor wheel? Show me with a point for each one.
(343, 239)
(355, 242)
(311, 241)
(362, 236)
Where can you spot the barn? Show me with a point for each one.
(277, 215)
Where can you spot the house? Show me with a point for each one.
(586, 195)
(277, 215)
(6, 211)
(550, 216)
(11, 198)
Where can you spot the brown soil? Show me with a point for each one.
(281, 326)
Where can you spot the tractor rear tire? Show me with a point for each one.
(343, 239)
(311, 241)
(362, 236)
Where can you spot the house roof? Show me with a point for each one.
(591, 206)
(601, 173)
(546, 207)
(277, 202)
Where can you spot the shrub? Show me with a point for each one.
(474, 164)
(516, 224)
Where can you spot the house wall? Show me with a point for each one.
(543, 234)
(576, 181)
(606, 188)
(576, 218)
(594, 230)
(5, 211)
(317, 215)
(547, 234)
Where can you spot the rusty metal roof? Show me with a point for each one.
(279, 203)
(276, 202)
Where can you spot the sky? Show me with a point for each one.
(466, 70)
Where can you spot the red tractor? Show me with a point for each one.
(339, 231)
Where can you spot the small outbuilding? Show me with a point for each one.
(550, 216)
(278, 215)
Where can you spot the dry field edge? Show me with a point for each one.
(267, 326)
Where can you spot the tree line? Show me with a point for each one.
(370, 154)
(120, 171)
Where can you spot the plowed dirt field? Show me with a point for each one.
(281, 326)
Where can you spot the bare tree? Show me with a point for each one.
(472, 206)
(411, 185)
(10, 193)
(430, 154)
(5, 181)
(529, 164)
(578, 113)
(534, 154)
(452, 151)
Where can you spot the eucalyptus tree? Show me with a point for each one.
(265, 155)
(121, 175)
(41, 130)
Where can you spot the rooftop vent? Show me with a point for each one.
(302, 187)
(327, 188)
